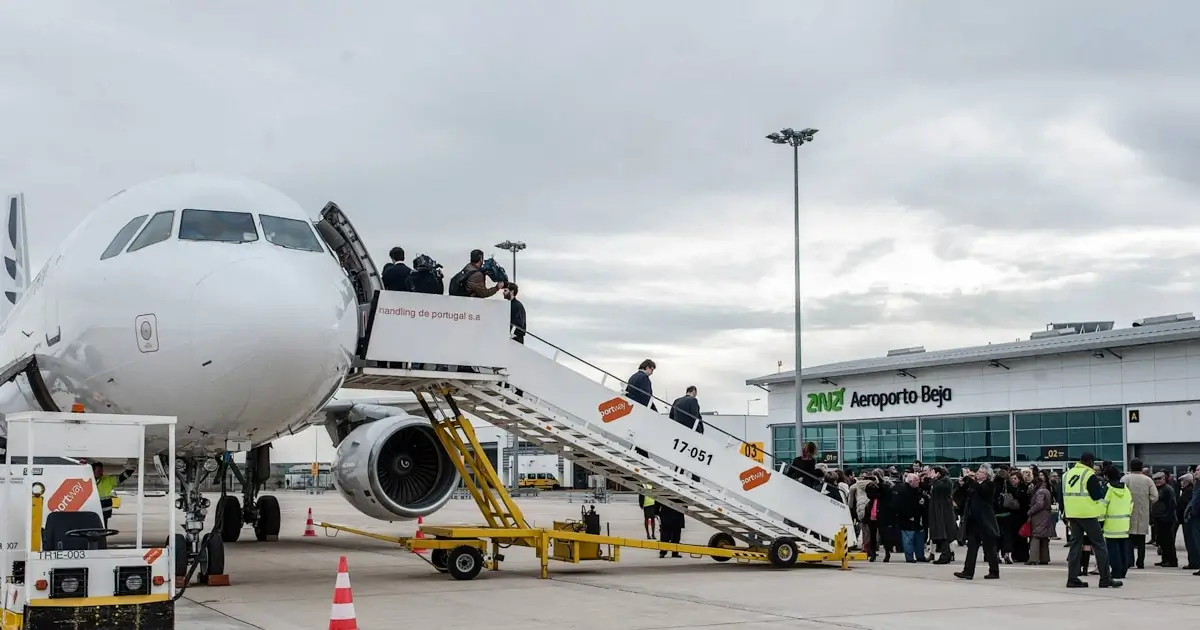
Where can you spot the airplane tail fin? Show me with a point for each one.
(14, 248)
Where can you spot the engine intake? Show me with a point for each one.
(394, 468)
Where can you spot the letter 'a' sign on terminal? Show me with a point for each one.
(754, 478)
(614, 409)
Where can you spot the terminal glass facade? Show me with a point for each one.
(783, 439)
(1065, 435)
(879, 444)
(958, 441)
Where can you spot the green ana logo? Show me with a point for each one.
(826, 401)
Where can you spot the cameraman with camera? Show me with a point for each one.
(471, 282)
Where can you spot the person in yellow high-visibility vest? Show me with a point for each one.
(1118, 508)
(105, 484)
(1082, 505)
(649, 511)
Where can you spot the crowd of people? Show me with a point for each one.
(1013, 514)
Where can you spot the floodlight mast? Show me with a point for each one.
(795, 139)
(515, 469)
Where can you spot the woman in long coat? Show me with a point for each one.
(1041, 521)
(943, 526)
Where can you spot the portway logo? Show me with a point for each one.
(70, 496)
(754, 478)
(614, 409)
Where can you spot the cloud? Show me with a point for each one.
(979, 170)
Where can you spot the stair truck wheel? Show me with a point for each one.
(782, 553)
(438, 559)
(268, 519)
(721, 540)
(229, 518)
(464, 563)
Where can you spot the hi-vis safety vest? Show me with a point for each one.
(1077, 503)
(1119, 507)
(105, 486)
(647, 501)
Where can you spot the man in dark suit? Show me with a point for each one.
(395, 274)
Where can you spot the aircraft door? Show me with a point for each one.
(351, 253)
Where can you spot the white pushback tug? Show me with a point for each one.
(60, 567)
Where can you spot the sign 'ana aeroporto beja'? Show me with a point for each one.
(832, 401)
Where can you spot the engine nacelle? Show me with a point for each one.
(394, 469)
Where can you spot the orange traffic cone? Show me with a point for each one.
(420, 534)
(309, 530)
(342, 616)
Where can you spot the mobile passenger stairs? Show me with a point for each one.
(759, 513)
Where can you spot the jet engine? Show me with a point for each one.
(393, 468)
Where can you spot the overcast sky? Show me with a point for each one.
(980, 170)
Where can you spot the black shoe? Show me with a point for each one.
(662, 554)
(1196, 573)
(1076, 583)
(1188, 567)
(963, 576)
(676, 555)
(942, 560)
(992, 576)
(1110, 583)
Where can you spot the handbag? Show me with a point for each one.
(1009, 501)
(1026, 530)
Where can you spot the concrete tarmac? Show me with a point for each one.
(288, 585)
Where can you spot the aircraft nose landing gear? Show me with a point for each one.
(192, 548)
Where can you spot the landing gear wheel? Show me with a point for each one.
(783, 553)
(212, 557)
(180, 555)
(464, 563)
(229, 518)
(267, 526)
(438, 559)
(721, 540)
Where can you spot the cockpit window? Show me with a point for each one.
(217, 225)
(122, 238)
(157, 230)
(290, 233)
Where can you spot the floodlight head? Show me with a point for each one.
(774, 137)
(511, 246)
(788, 133)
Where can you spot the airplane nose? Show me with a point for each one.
(262, 331)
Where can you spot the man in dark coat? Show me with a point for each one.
(979, 523)
(670, 527)
(395, 274)
(640, 390)
(943, 527)
(686, 410)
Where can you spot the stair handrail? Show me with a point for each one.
(788, 465)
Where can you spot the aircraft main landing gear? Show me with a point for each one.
(261, 512)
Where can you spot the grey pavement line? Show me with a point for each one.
(357, 596)
(222, 613)
(779, 617)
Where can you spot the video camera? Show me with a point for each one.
(426, 263)
(493, 270)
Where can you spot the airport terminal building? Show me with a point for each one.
(1075, 387)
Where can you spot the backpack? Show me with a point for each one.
(458, 284)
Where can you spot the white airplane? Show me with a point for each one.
(216, 300)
